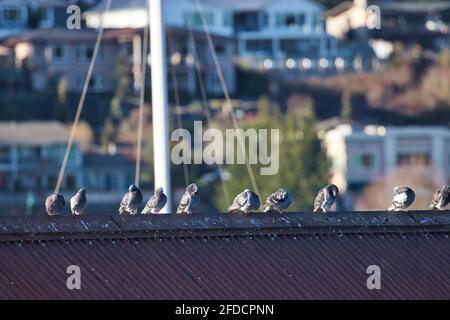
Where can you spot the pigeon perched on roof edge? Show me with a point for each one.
(403, 198)
(189, 200)
(441, 198)
(325, 198)
(246, 201)
(278, 201)
(131, 200)
(78, 202)
(55, 204)
(156, 202)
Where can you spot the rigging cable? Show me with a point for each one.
(227, 95)
(141, 104)
(81, 101)
(176, 94)
(205, 105)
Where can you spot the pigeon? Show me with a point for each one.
(78, 202)
(245, 201)
(403, 198)
(190, 200)
(278, 201)
(54, 204)
(156, 202)
(131, 201)
(441, 198)
(325, 198)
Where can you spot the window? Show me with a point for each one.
(367, 161)
(290, 20)
(265, 20)
(301, 19)
(5, 152)
(220, 48)
(318, 22)
(195, 19)
(12, 15)
(84, 53)
(414, 159)
(58, 53)
(55, 152)
(96, 82)
(71, 182)
(262, 46)
(228, 20)
(45, 17)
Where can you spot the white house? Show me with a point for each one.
(270, 33)
(177, 13)
(280, 28)
(361, 154)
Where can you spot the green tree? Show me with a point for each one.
(346, 104)
(110, 130)
(303, 166)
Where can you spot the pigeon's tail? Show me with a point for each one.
(267, 208)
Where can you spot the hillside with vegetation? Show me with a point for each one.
(414, 89)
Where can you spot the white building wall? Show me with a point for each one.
(344, 144)
(175, 12)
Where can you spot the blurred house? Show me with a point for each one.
(31, 154)
(381, 23)
(274, 31)
(361, 154)
(18, 16)
(52, 55)
(128, 18)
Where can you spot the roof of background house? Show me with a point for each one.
(33, 132)
(412, 6)
(58, 34)
(338, 9)
(235, 5)
(240, 5)
(119, 5)
(219, 256)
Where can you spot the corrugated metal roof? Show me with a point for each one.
(261, 256)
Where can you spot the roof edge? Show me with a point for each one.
(23, 228)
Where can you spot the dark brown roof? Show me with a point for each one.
(338, 9)
(260, 256)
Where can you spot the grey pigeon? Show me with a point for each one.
(325, 198)
(190, 200)
(78, 202)
(131, 201)
(278, 201)
(54, 204)
(156, 202)
(403, 198)
(246, 201)
(441, 198)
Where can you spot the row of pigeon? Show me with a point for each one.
(247, 201)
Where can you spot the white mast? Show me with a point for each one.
(159, 101)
